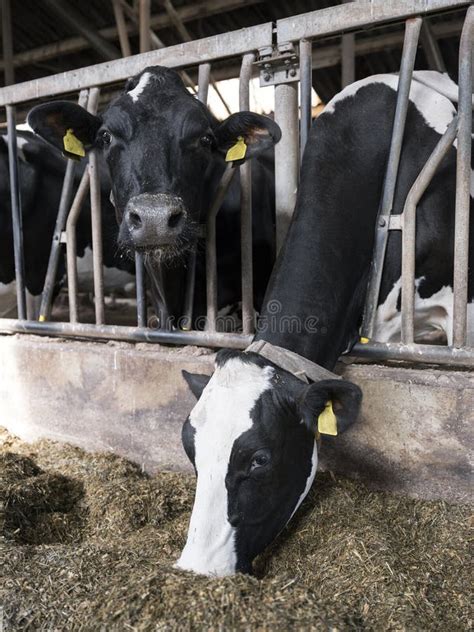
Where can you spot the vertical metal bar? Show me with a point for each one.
(431, 47)
(17, 218)
(71, 249)
(96, 220)
(348, 59)
(121, 28)
(55, 253)
(204, 74)
(409, 229)
(211, 261)
(246, 239)
(144, 26)
(305, 91)
(412, 33)
(7, 37)
(141, 291)
(286, 157)
(463, 178)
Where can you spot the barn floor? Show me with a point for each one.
(89, 543)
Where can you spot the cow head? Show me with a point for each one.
(158, 141)
(251, 439)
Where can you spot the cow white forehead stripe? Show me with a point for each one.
(221, 415)
(141, 85)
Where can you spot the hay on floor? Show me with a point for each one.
(89, 542)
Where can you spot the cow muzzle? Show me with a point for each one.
(154, 220)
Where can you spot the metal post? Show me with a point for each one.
(17, 218)
(246, 240)
(71, 249)
(348, 59)
(412, 32)
(409, 229)
(96, 220)
(55, 253)
(306, 81)
(144, 13)
(141, 290)
(203, 91)
(463, 178)
(431, 48)
(121, 28)
(286, 157)
(211, 261)
(7, 37)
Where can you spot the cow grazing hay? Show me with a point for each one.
(89, 542)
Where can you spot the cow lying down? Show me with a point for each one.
(251, 435)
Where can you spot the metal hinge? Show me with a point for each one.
(278, 65)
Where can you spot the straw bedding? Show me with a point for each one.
(88, 543)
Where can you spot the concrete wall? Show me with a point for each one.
(415, 434)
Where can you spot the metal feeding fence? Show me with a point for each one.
(284, 57)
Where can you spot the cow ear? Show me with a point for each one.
(56, 119)
(197, 382)
(331, 406)
(257, 132)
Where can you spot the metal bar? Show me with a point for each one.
(17, 217)
(409, 229)
(70, 16)
(347, 58)
(429, 354)
(187, 54)
(246, 239)
(357, 15)
(431, 48)
(144, 17)
(141, 290)
(71, 249)
(412, 32)
(130, 334)
(286, 157)
(55, 253)
(7, 41)
(203, 91)
(211, 259)
(463, 179)
(305, 90)
(121, 28)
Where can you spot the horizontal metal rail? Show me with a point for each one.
(428, 354)
(126, 334)
(187, 54)
(357, 15)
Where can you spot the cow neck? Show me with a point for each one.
(314, 301)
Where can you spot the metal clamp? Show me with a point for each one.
(279, 65)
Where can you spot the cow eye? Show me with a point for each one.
(105, 137)
(206, 140)
(260, 459)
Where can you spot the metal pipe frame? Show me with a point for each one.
(286, 157)
(17, 217)
(428, 354)
(306, 85)
(408, 224)
(412, 33)
(211, 259)
(431, 48)
(128, 334)
(141, 289)
(463, 178)
(121, 28)
(7, 41)
(71, 244)
(246, 239)
(55, 252)
(204, 73)
(144, 27)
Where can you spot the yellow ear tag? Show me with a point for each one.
(73, 145)
(327, 422)
(237, 151)
(364, 341)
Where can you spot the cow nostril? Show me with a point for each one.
(175, 218)
(134, 220)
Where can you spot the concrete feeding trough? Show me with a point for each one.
(414, 435)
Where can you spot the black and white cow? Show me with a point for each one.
(41, 173)
(251, 434)
(166, 155)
